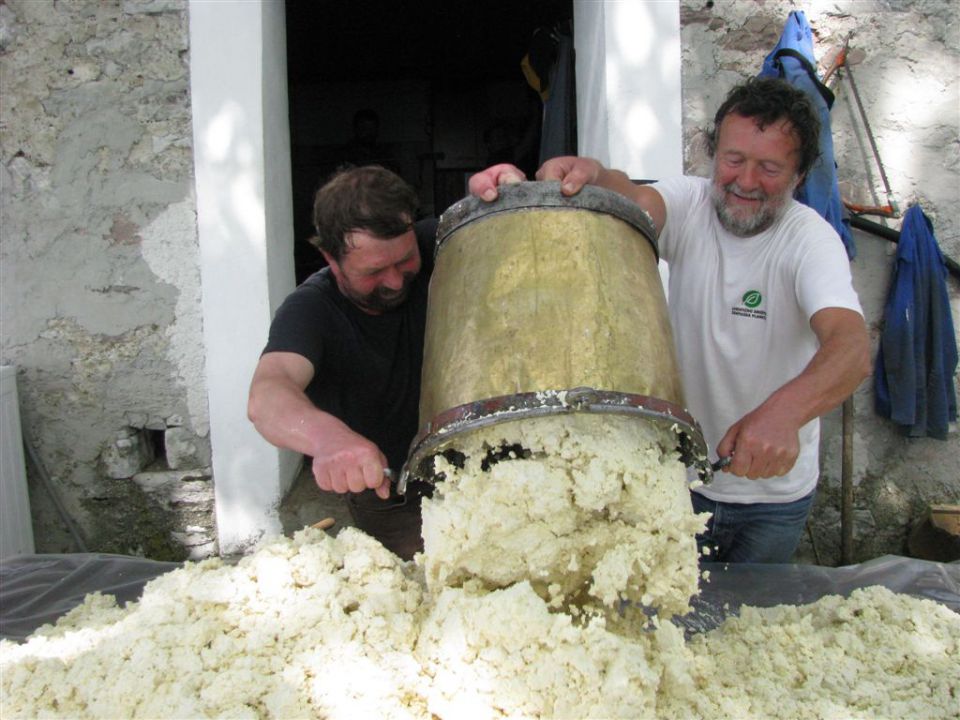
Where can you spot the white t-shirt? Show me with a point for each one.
(741, 309)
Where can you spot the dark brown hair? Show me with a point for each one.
(768, 100)
(369, 198)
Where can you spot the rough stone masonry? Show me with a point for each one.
(101, 285)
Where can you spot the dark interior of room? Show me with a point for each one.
(433, 89)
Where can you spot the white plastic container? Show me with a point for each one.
(16, 526)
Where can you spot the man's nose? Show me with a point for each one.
(747, 179)
(393, 279)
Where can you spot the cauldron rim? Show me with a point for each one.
(545, 195)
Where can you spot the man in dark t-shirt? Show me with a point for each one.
(339, 378)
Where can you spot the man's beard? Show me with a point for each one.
(736, 222)
(382, 299)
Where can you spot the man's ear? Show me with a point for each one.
(334, 265)
(800, 180)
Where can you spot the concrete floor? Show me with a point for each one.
(307, 504)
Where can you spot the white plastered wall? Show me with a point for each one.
(629, 86)
(244, 214)
(629, 92)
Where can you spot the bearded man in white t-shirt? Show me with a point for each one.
(768, 328)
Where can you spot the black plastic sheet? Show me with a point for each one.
(728, 587)
(38, 589)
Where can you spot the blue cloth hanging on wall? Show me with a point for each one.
(793, 60)
(917, 359)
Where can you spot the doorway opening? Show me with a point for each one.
(433, 89)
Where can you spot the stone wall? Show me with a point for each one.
(908, 78)
(100, 276)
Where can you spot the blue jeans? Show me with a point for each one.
(753, 532)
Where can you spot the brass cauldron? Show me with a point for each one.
(541, 303)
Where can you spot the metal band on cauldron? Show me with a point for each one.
(546, 195)
(449, 424)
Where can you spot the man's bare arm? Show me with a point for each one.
(343, 461)
(765, 442)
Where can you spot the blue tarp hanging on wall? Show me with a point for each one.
(917, 359)
(793, 60)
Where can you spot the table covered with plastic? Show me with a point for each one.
(37, 589)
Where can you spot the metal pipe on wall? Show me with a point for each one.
(846, 485)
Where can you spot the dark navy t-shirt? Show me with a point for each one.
(366, 367)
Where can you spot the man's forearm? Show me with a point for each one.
(765, 442)
(343, 461)
(286, 418)
(834, 372)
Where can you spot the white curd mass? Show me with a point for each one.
(543, 591)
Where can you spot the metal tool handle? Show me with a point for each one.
(721, 463)
(401, 481)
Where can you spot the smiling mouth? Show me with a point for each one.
(746, 198)
(739, 203)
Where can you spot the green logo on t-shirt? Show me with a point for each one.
(752, 298)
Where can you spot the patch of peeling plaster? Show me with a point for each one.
(169, 247)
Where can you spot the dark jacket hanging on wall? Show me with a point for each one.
(550, 69)
(917, 359)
